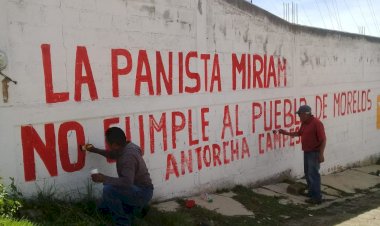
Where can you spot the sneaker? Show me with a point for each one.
(143, 212)
(313, 201)
(305, 193)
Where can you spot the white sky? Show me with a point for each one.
(341, 15)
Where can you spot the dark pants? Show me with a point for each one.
(313, 178)
(124, 203)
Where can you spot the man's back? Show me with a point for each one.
(131, 169)
(131, 156)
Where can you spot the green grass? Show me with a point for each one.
(267, 209)
(191, 217)
(45, 209)
(12, 222)
(52, 211)
(57, 212)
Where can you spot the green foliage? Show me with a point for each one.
(14, 222)
(49, 206)
(45, 210)
(10, 200)
(46, 193)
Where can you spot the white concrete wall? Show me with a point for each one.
(319, 65)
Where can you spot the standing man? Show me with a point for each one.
(127, 194)
(313, 140)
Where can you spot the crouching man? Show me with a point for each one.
(129, 193)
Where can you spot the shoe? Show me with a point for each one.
(143, 212)
(305, 193)
(313, 201)
(103, 211)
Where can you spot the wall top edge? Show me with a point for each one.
(295, 28)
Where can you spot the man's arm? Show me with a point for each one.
(126, 177)
(322, 150)
(100, 152)
(91, 148)
(322, 137)
(292, 134)
(127, 174)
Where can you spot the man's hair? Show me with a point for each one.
(115, 135)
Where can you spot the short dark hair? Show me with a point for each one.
(115, 135)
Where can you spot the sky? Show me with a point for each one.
(341, 15)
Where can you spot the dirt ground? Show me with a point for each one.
(340, 212)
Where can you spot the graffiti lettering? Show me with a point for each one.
(209, 155)
(352, 102)
(258, 71)
(31, 142)
(167, 73)
(268, 113)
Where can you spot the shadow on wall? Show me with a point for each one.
(378, 112)
(285, 175)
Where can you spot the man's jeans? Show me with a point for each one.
(124, 203)
(313, 178)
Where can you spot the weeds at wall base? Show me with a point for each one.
(46, 209)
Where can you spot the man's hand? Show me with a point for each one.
(87, 147)
(97, 178)
(280, 131)
(321, 158)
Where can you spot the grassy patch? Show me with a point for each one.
(191, 217)
(56, 212)
(59, 212)
(267, 209)
(12, 222)
(44, 209)
(222, 190)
